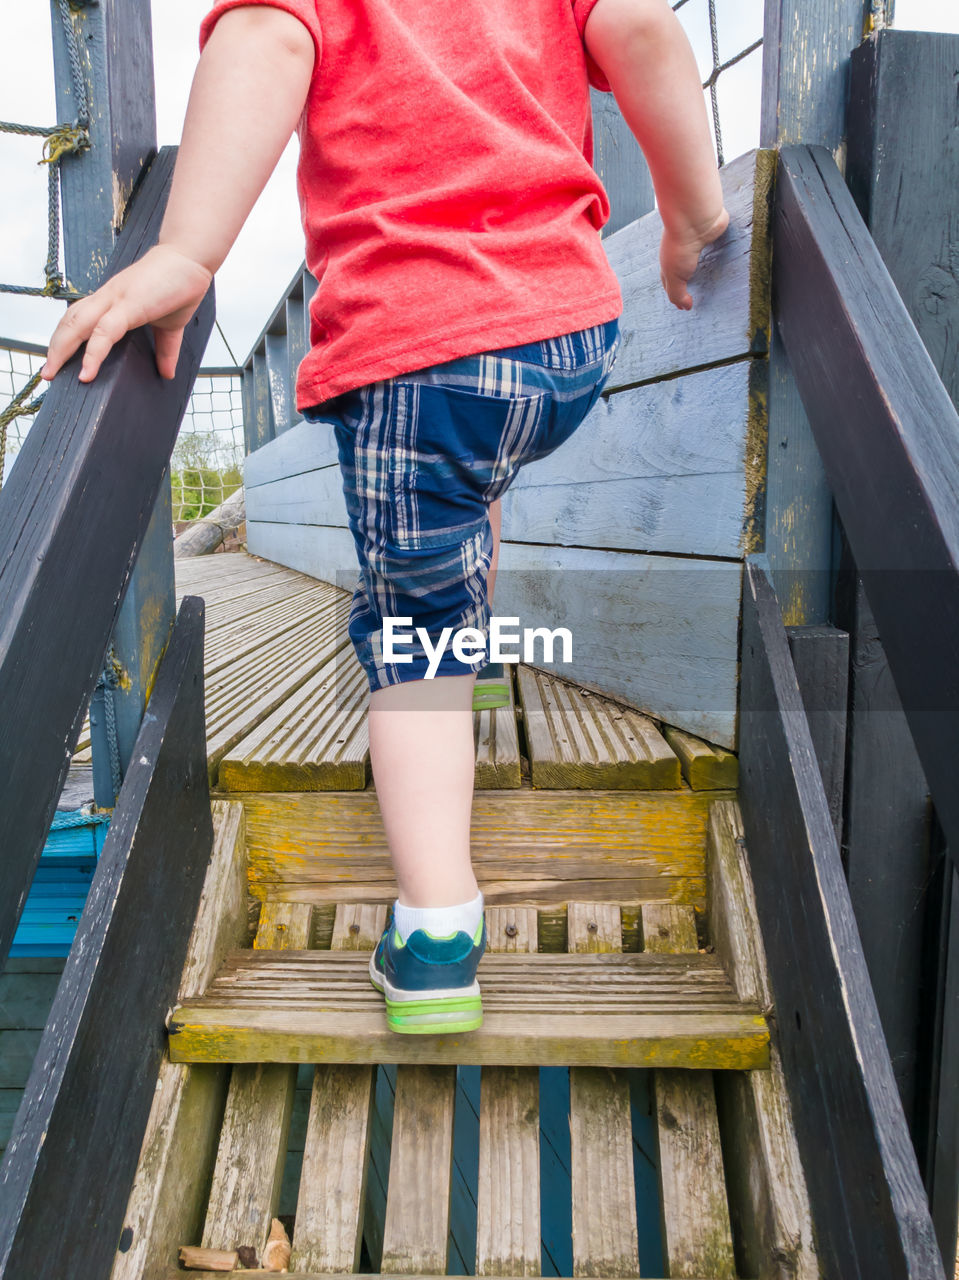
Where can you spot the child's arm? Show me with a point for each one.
(645, 55)
(247, 96)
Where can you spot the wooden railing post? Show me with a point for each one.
(806, 48)
(902, 170)
(117, 63)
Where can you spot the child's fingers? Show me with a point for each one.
(71, 333)
(103, 337)
(168, 343)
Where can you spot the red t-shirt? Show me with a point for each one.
(446, 183)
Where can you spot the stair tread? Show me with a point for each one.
(610, 1009)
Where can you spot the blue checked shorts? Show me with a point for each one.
(422, 456)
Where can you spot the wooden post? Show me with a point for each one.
(116, 49)
(620, 163)
(902, 170)
(806, 47)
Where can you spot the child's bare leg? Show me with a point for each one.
(495, 511)
(423, 757)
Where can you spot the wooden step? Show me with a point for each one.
(591, 1010)
(529, 847)
(580, 739)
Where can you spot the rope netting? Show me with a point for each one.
(58, 141)
(208, 455)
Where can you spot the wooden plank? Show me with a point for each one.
(61, 561)
(247, 691)
(695, 1213)
(821, 658)
(507, 1197)
(579, 739)
(302, 1275)
(768, 1201)
(307, 447)
(620, 163)
(244, 1196)
(496, 736)
(315, 740)
(903, 185)
(611, 1010)
(309, 846)
(236, 639)
(605, 1240)
(656, 632)
(867, 1198)
(731, 289)
(668, 466)
(168, 1197)
(704, 766)
(806, 50)
(893, 460)
(417, 1223)
(87, 1080)
(329, 1225)
(114, 42)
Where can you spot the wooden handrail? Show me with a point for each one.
(71, 1159)
(888, 434)
(72, 518)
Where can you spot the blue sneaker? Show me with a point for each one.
(429, 983)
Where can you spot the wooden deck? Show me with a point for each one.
(286, 702)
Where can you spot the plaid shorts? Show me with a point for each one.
(423, 455)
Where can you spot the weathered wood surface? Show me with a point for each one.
(671, 466)
(731, 289)
(695, 1212)
(904, 182)
(496, 736)
(867, 1198)
(88, 1081)
(270, 369)
(889, 437)
(329, 1223)
(806, 48)
(820, 655)
(705, 767)
(605, 1010)
(769, 1204)
(205, 535)
(529, 847)
(244, 1196)
(578, 739)
(168, 1197)
(620, 163)
(416, 1230)
(658, 632)
(312, 1275)
(64, 564)
(605, 1240)
(316, 739)
(508, 1191)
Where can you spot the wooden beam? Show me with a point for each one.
(820, 655)
(114, 39)
(806, 47)
(72, 517)
(868, 1201)
(889, 438)
(88, 1099)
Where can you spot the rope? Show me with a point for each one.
(17, 409)
(109, 680)
(67, 818)
(58, 141)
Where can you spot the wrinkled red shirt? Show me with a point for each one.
(445, 181)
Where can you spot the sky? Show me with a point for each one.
(270, 247)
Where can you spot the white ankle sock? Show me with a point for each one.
(439, 921)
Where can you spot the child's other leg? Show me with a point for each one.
(423, 757)
(496, 522)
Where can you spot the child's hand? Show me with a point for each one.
(679, 257)
(164, 289)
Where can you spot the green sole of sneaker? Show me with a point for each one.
(490, 699)
(434, 1017)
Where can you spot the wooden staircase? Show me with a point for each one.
(622, 1110)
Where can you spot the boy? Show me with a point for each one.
(464, 324)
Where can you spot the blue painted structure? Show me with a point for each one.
(60, 885)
